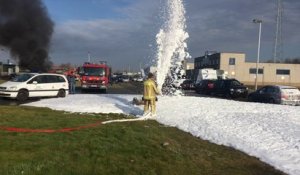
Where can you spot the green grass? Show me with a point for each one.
(2, 81)
(118, 148)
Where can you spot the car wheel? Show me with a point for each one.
(22, 95)
(61, 93)
(272, 101)
(250, 98)
(228, 96)
(207, 93)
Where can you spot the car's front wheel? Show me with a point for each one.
(22, 95)
(272, 101)
(228, 96)
(61, 93)
(250, 98)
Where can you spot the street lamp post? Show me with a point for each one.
(257, 21)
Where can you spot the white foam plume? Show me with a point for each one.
(171, 41)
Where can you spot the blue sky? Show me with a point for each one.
(122, 32)
(64, 10)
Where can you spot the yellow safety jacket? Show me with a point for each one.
(150, 90)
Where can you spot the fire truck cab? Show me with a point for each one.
(94, 76)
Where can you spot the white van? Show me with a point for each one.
(28, 85)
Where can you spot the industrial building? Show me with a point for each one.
(235, 66)
(8, 68)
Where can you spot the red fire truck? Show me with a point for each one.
(94, 75)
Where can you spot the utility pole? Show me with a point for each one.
(89, 57)
(278, 44)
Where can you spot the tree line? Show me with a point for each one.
(287, 61)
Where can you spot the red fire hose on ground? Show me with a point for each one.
(27, 130)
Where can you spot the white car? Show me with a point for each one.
(125, 79)
(276, 94)
(140, 79)
(28, 85)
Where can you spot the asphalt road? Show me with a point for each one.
(119, 88)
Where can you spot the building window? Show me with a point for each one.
(253, 71)
(282, 72)
(231, 61)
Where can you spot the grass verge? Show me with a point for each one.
(2, 81)
(144, 147)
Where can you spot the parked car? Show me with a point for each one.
(116, 79)
(187, 85)
(12, 76)
(140, 79)
(28, 85)
(205, 87)
(125, 78)
(230, 88)
(277, 95)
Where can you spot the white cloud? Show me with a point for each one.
(93, 30)
(221, 25)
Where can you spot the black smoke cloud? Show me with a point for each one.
(26, 29)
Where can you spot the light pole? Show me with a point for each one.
(89, 57)
(257, 21)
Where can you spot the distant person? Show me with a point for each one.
(149, 96)
(72, 82)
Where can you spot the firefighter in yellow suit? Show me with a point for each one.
(150, 92)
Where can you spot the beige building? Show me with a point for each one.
(235, 66)
(187, 65)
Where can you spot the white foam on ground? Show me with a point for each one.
(269, 132)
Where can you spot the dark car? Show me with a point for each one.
(230, 88)
(187, 85)
(12, 76)
(116, 79)
(276, 95)
(205, 87)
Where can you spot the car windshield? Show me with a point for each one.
(235, 83)
(22, 77)
(94, 71)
